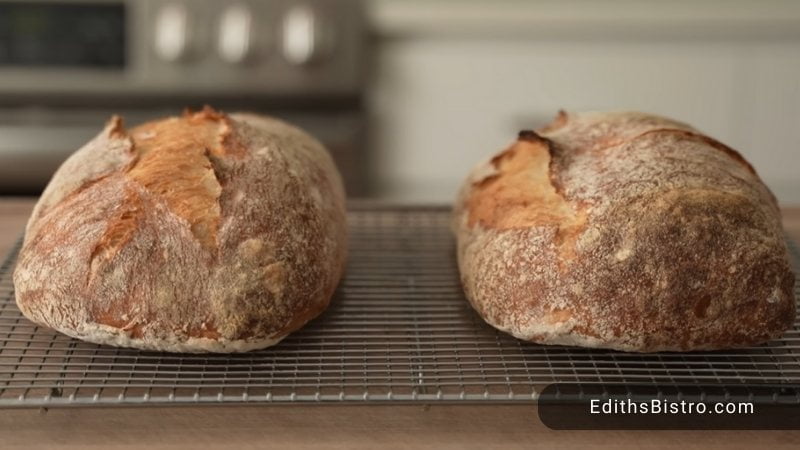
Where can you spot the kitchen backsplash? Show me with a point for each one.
(455, 81)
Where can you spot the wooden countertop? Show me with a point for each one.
(335, 426)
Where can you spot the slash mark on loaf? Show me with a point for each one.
(522, 193)
(173, 163)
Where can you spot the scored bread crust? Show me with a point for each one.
(201, 233)
(624, 231)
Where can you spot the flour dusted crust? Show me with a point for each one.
(625, 231)
(201, 233)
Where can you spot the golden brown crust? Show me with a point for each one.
(173, 162)
(205, 232)
(522, 179)
(624, 231)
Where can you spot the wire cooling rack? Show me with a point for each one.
(398, 330)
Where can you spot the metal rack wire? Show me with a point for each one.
(399, 330)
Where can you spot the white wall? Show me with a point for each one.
(453, 85)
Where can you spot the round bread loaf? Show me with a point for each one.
(200, 233)
(624, 231)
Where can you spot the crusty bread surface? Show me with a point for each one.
(625, 231)
(201, 233)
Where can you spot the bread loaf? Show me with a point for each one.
(200, 233)
(624, 231)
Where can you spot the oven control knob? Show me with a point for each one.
(234, 43)
(306, 37)
(171, 38)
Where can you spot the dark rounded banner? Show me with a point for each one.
(571, 406)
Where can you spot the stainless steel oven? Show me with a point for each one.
(65, 66)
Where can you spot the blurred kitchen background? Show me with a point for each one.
(407, 94)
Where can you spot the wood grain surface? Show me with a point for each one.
(334, 426)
